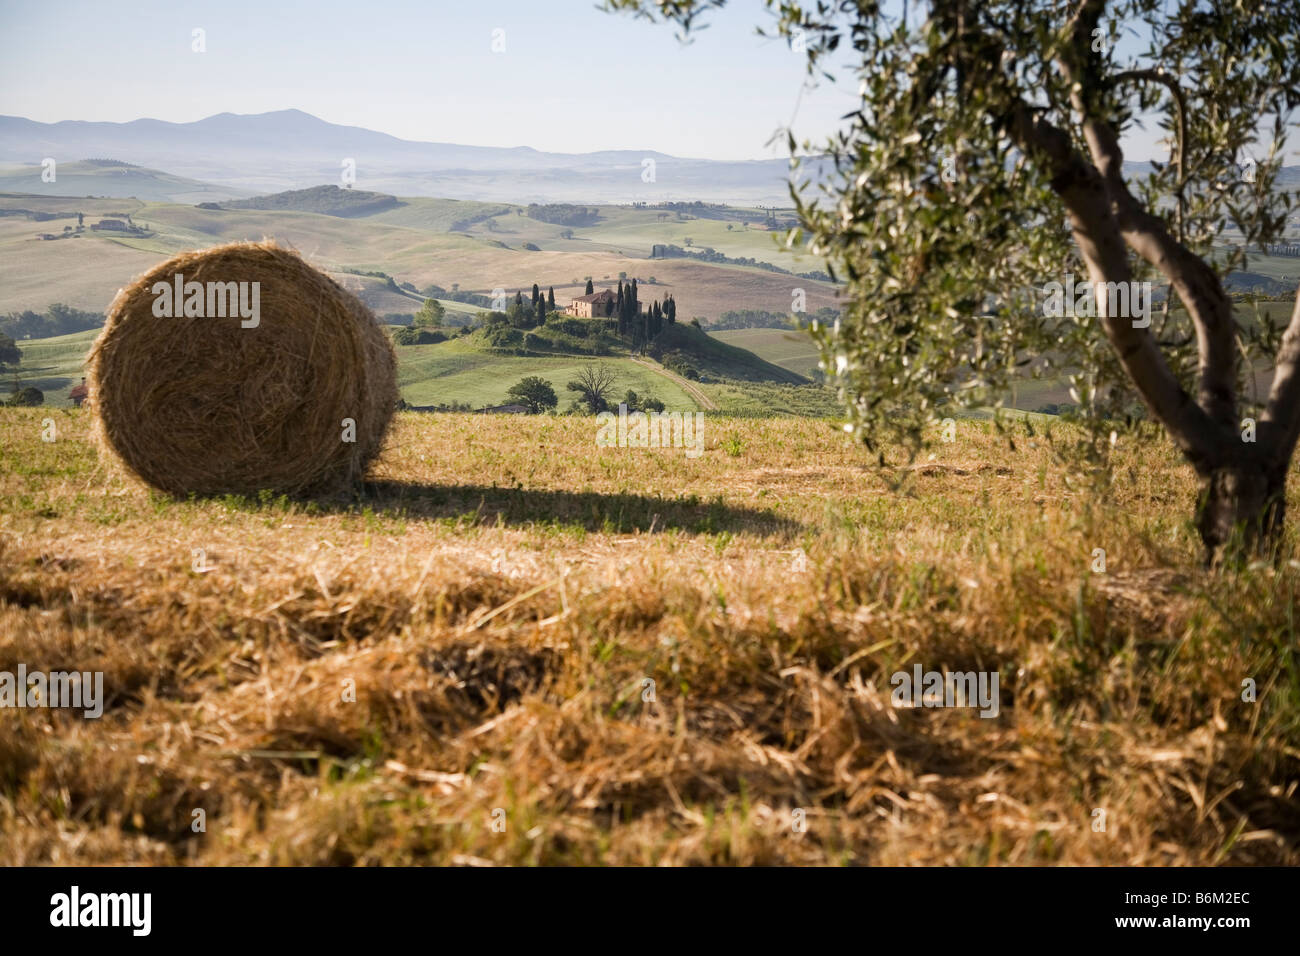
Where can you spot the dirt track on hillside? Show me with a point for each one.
(689, 387)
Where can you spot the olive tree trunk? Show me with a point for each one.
(1241, 510)
(1242, 501)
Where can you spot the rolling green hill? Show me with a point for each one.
(463, 371)
(790, 349)
(469, 370)
(96, 177)
(477, 370)
(53, 365)
(688, 346)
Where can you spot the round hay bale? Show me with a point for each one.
(289, 389)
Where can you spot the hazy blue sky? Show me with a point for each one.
(571, 78)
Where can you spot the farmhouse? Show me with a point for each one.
(79, 393)
(117, 225)
(598, 305)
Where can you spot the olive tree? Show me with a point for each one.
(983, 164)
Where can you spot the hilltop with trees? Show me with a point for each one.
(323, 200)
(563, 214)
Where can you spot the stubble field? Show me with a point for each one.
(519, 648)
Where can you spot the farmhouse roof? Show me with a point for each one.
(596, 296)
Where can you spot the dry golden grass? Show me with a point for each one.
(505, 589)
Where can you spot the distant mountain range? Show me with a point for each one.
(243, 155)
(290, 149)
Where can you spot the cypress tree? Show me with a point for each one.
(590, 288)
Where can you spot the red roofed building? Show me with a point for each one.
(598, 305)
(79, 393)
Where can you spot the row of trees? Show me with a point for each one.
(530, 313)
(456, 295)
(522, 313)
(57, 319)
(760, 319)
(668, 250)
(1281, 249)
(637, 325)
(593, 387)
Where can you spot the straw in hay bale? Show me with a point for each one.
(210, 404)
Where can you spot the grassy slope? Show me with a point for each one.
(88, 179)
(432, 215)
(459, 371)
(784, 347)
(1275, 267)
(84, 273)
(708, 354)
(609, 568)
(53, 365)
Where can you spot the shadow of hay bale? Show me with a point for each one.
(620, 513)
